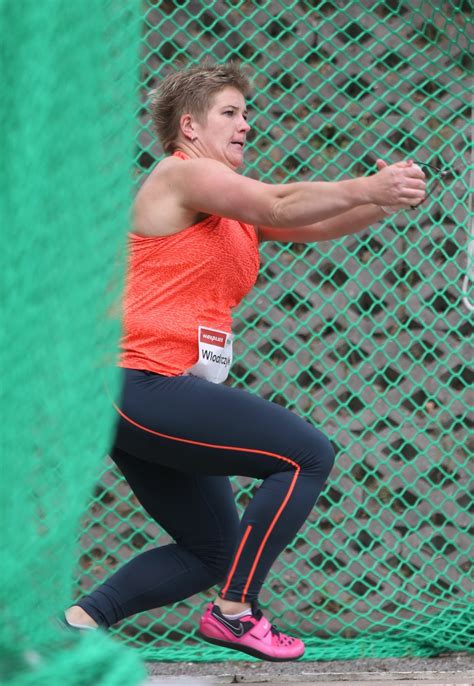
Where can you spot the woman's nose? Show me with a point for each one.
(244, 126)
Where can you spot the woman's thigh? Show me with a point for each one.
(196, 427)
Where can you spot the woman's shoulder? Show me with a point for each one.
(156, 176)
(163, 166)
(157, 209)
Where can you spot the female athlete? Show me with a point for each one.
(193, 256)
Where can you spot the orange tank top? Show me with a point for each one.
(180, 282)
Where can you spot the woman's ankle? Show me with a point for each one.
(76, 616)
(231, 607)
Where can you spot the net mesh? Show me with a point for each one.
(66, 112)
(366, 336)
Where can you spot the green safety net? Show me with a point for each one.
(67, 120)
(366, 336)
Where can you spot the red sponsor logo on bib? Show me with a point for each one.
(213, 337)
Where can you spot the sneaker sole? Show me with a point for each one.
(247, 649)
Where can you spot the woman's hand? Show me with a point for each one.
(397, 186)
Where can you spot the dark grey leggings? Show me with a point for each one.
(178, 440)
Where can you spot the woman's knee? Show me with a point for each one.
(318, 455)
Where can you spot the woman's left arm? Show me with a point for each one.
(350, 222)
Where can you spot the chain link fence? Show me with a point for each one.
(366, 336)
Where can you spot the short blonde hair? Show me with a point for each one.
(191, 91)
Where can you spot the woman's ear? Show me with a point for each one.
(187, 127)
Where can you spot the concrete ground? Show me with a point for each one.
(442, 670)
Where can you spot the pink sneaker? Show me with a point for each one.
(253, 635)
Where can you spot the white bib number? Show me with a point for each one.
(215, 355)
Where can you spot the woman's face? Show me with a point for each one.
(223, 133)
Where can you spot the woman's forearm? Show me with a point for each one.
(352, 221)
(301, 203)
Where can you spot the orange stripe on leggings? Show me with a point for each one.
(249, 528)
(269, 531)
(236, 561)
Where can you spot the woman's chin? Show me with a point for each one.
(237, 161)
(235, 156)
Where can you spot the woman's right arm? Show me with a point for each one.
(208, 186)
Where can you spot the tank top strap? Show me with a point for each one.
(180, 155)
